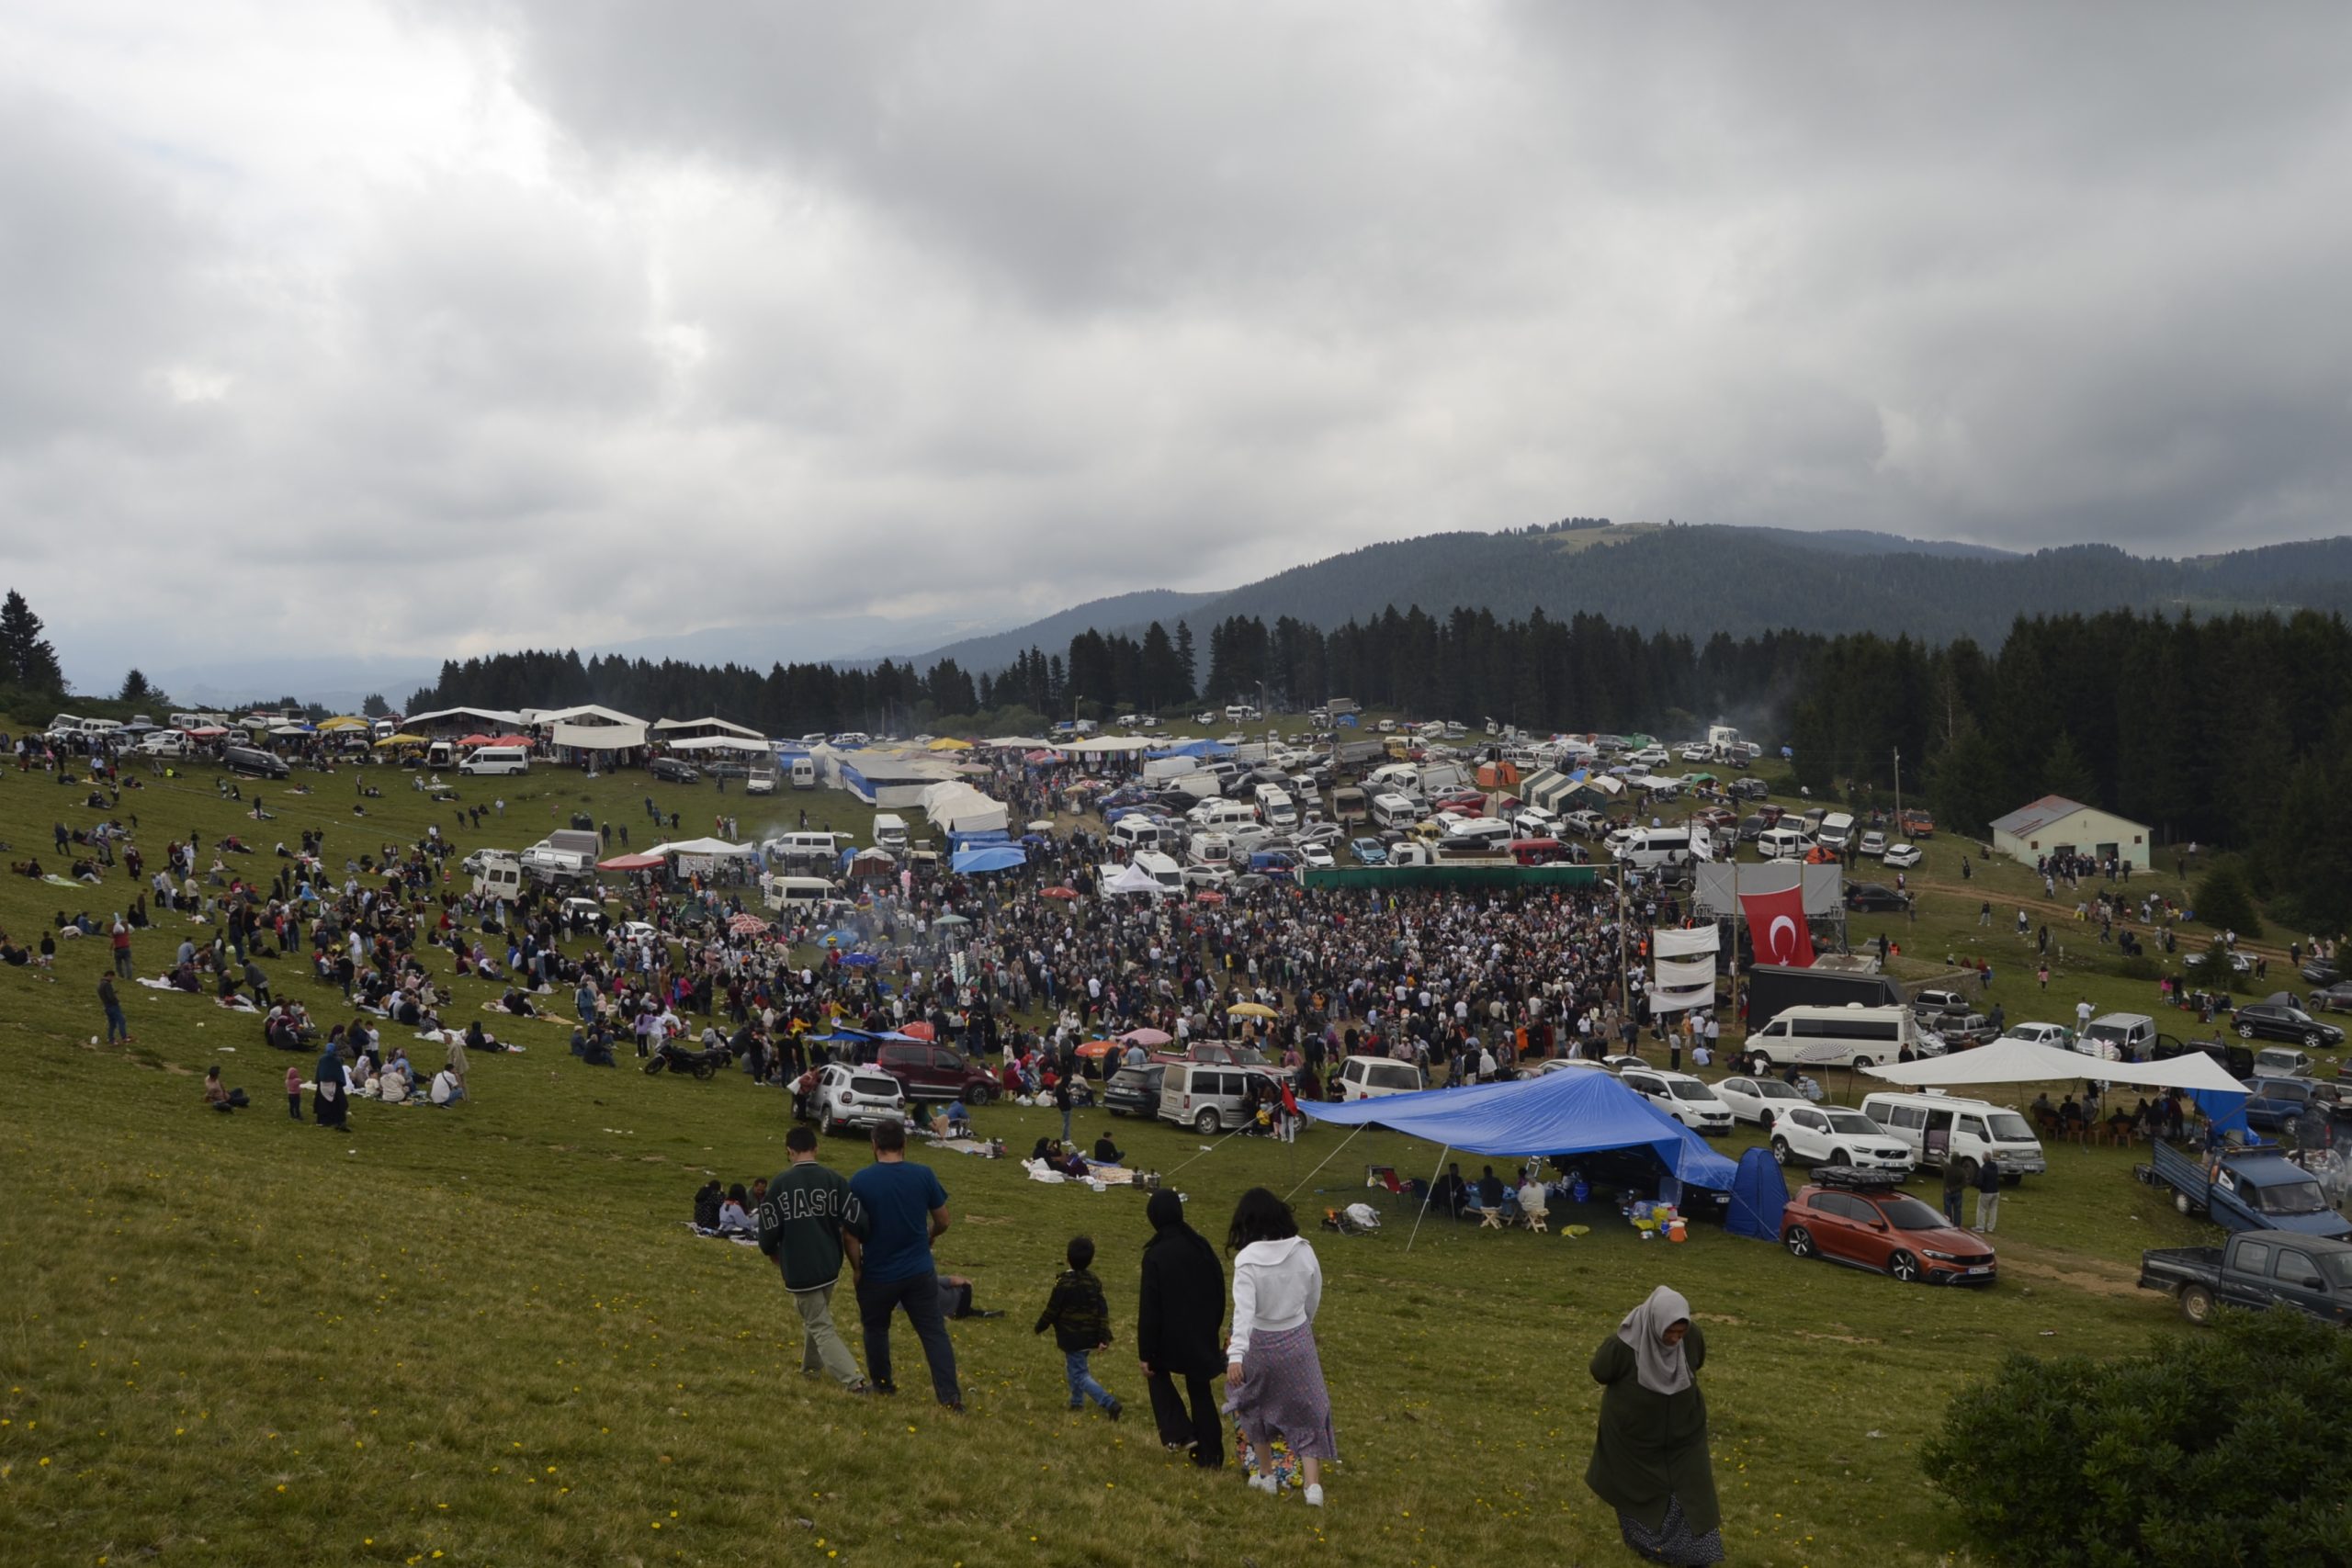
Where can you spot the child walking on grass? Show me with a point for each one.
(1081, 1320)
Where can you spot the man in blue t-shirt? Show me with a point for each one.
(902, 1210)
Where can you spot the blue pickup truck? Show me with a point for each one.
(2246, 1190)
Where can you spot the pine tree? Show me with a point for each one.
(2065, 772)
(26, 659)
(136, 690)
(2225, 902)
(1187, 667)
(375, 706)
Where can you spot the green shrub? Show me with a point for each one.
(2212, 968)
(2219, 1446)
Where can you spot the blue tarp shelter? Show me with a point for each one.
(1565, 1113)
(1191, 749)
(1758, 1194)
(978, 837)
(987, 858)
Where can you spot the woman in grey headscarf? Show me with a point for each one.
(1649, 1459)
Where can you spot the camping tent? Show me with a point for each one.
(1558, 1114)
(629, 862)
(2217, 1094)
(1758, 1195)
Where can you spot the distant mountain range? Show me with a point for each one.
(1698, 580)
(1692, 580)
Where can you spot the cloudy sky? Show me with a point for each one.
(410, 327)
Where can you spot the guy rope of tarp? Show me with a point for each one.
(1326, 1160)
(1206, 1149)
(1425, 1194)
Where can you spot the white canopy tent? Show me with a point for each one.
(702, 847)
(723, 743)
(2221, 1096)
(1134, 879)
(1105, 745)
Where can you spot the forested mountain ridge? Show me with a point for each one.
(1697, 581)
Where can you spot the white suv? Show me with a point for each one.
(1687, 1099)
(858, 1100)
(1831, 1134)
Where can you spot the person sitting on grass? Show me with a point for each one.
(735, 1213)
(216, 1094)
(1105, 1151)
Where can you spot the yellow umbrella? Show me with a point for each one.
(1251, 1009)
(345, 722)
(402, 739)
(949, 743)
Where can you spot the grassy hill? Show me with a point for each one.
(485, 1335)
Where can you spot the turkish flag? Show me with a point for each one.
(1776, 922)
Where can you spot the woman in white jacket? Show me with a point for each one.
(1273, 1378)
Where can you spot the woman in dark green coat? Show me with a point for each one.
(1649, 1460)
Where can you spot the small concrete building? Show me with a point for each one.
(2056, 826)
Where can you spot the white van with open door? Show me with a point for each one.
(1941, 1127)
(804, 773)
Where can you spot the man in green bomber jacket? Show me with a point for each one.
(808, 1224)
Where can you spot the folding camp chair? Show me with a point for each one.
(1534, 1219)
(1385, 1177)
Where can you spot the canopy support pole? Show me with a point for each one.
(1425, 1194)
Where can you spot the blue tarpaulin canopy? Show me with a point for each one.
(1191, 749)
(1758, 1195)
(1565, 1113)
(989, 857)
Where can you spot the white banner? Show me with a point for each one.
(1702, 843)
(1673, 943)
(1681, 1001)
(1681, 973)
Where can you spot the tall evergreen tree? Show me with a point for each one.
(26, 659)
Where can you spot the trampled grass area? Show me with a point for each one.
(485, 1333)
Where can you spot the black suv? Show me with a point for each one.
(1134, 1091)
(2276, 1020)
(1873, 897)
(1749, 789)
(672, 771)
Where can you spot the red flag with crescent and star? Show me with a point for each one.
(1776, 924)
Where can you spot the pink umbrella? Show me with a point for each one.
(1145, 1037)
(746, 925)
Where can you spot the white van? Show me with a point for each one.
(1836, 831)
(804, 773)
(1210, 815)
(795, 892)
(1937, 1127)
(1163, 869)
(497, 760)
(1275, 807)
(1782, 843)
(1647, 849)
(1204, 1095)
(1375, 1077)
(890, 831)
(498, 873)
(167, 743)
(1396, 778)
(1852, 1035)
(440, 754)
(1210, 849)
(1394, 811)
(1138, 832)
(2119, 1037)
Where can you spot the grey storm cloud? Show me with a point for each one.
(443, 325)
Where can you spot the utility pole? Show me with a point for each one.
(1898, 792)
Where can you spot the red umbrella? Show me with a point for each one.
(916, 1031)
(1058, 892)
(1208, 895)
